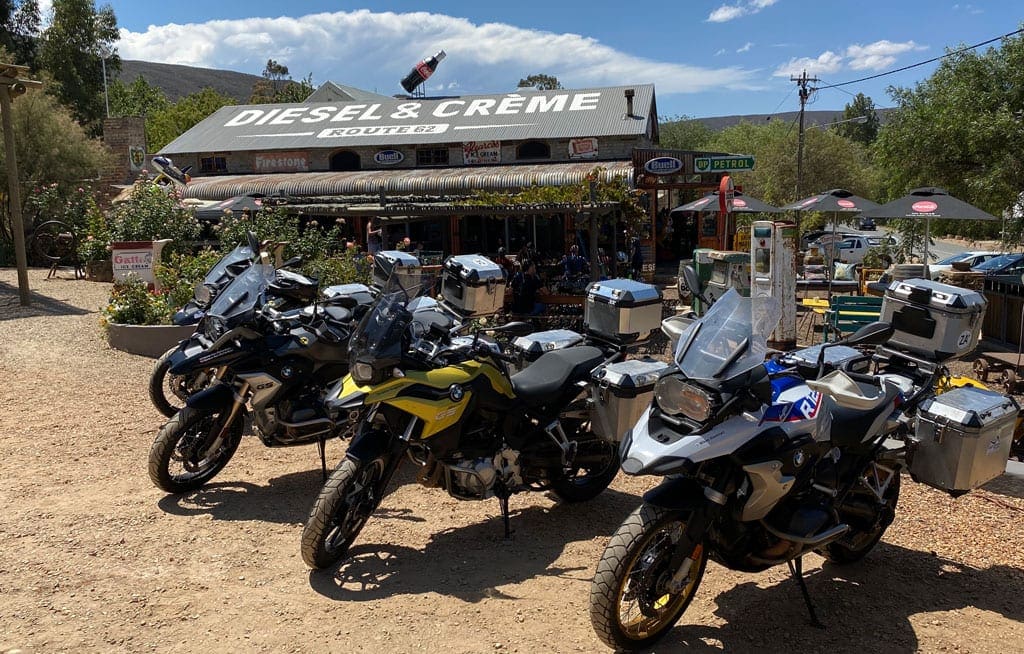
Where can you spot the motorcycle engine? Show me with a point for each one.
(477, 478)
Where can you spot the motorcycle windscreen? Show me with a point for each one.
(731, 338)
(379, 335)
(219, 274)
(242, 293)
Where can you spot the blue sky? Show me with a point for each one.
(705, 58)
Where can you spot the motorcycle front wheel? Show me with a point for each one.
(168, 392)
(189, 450)
(631, 605)
(348, 498)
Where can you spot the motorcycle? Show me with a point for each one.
(756, 475)
(448, 403)
(168, 392)
(273, 366)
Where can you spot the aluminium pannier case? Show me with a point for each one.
(620, 392)
(529, 348)
(963, 438)
(473, 285)
(622, 310)
(933, 320)
(402, 268)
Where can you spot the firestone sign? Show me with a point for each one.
(408, 118)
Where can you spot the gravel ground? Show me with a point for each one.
(94, 558)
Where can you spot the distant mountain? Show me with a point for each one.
(718, 123)
(178, 81)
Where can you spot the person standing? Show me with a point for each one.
(637, 261)
(525, 285)
(374, 236)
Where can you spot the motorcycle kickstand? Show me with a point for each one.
(322, 446)
(797, 570)
(506, 517)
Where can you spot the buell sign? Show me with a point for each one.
(663, 166)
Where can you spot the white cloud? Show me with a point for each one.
(746, 47)
(721, 51)
(725, 13)
(826, 62)
(878, 55)
(374, 50)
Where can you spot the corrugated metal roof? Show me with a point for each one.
(456, 181)
(520, 115)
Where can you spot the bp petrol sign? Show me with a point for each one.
(723, 164)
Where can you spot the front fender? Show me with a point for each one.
(216, 396)
(370, 444)
(676, 494)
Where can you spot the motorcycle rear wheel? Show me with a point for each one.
(630, 606)
(168, 392)
(587, 482)
(180, 443)
(856, 544)
(348, 498)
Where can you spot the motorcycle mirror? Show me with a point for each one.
(291, 263)
(691, 281)
(252, 242)
(875, 333)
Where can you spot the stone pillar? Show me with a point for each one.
(125, 139)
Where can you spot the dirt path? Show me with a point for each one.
(94, 558)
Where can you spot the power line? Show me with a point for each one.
(921, 63)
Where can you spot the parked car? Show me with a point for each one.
(968, 259)
(866, 225)
(822, 238)
(1004, 268)
(877, 241)
(852, 248)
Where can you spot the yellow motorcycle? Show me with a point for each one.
(448, 403)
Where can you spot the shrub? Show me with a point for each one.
(180, 274)
(131, 303)
(149, 214)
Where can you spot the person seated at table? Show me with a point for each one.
(506, 263)
(525, 285)
(573, 264)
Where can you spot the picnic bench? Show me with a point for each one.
(848, 313)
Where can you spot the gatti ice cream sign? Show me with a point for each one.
(436, 117)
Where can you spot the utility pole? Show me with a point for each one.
(804, 94)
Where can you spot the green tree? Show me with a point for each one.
(684, 133)
(169, 123)
(72, 48)
(862, 132)
(52, 149)
(140, 98)
(541, 82)
(962, 129)
(830, 161)
(277, 86)
(19, 30)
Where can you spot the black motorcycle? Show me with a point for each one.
(269, 365)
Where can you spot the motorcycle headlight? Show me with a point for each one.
(362, 373)
(675, 396)
(202, 294)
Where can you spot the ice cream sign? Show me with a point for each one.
(135, 259)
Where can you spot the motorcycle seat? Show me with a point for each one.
(545, 380)
(856, 408)
(338, 314)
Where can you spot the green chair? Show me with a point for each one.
(848, 313)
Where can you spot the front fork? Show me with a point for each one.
(687, 550)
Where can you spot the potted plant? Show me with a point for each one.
(137, 320)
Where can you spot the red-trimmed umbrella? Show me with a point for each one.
(929, 202)
(740, 204)
(836, 200)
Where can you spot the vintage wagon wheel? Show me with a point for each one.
(54, 241)
(1009, 381)
(981, 369)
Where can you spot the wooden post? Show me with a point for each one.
(14, 197)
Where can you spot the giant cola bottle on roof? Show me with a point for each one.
(422, 71)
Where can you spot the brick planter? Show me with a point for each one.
(146, 340)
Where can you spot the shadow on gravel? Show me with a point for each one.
(10, 307)
(865, 606)
(1008, 485)
(286, 499)
(471, 562)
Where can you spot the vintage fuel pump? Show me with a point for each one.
(773, 274)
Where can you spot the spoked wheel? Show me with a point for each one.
(632, 603)
(858, 542)
(54, 241)
(595, 465)
(191, 449)
(346, 501)
(168, 392)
